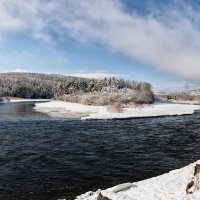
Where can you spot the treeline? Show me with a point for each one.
(193, 95)
(34, 85)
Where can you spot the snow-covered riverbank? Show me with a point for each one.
(21, 100)
(101, 112)
(169, 186)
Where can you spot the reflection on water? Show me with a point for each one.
(49, 158)
(62, 113)
(13, 111)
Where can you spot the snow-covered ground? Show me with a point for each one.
(101, 112)
(169, 186)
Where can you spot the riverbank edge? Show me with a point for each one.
(23, 100)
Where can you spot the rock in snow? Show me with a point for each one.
(101, 197)
(195, 182)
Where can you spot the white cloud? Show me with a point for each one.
(168, 40)
(96, 75)
(16, 70)
(19, 70)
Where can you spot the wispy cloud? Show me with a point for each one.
(167, 39)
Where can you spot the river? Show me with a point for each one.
(45, 158)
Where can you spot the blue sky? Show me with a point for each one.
(150, 40)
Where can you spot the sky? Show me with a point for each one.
(150, 40)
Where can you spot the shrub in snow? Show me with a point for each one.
(115, 108)
(103, 98)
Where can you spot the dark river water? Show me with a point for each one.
(45, 158)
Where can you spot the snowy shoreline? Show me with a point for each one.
(169, 186)
(25, 100)
(101, 112)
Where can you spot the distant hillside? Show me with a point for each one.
(34, 85)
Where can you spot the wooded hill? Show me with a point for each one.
(35, 85)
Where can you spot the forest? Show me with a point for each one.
(47, 86)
